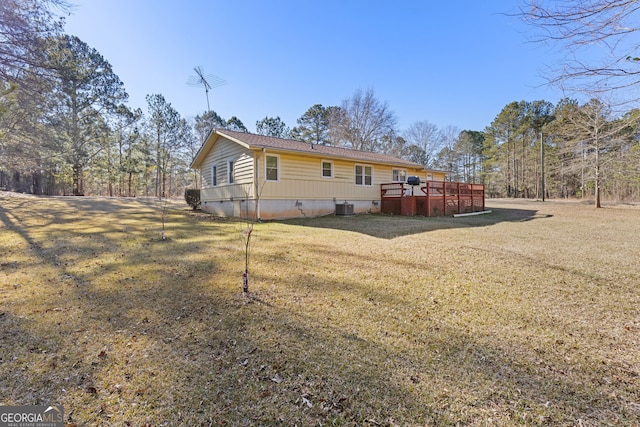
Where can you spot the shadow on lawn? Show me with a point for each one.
(12, 225)
(389, 226)
(77, 330)
(221, 361)
(160, 348)
(442, 376)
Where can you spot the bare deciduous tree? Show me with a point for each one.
(427, 137)
(450, 135)
(365, 122)
(598, 39)
(592, 136)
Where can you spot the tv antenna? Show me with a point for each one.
(209, 81)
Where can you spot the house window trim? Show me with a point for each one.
(400, 171)
(322, 162)
(231, 169)
(355, 176)
(266, 172)
(214, 175)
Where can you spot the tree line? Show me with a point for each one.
(65, 128)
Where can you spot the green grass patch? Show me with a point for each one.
(529, 315)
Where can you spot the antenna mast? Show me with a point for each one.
(208, 81)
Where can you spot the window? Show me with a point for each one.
(364, 175)
(214, 175)
(399, 175)
(272, 166)
(327, 169)
(230, 172)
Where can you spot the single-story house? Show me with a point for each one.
(261, 177)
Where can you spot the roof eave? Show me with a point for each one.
(212, 138)
(259, 147)
(215, 134)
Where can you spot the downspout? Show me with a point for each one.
(257, 189)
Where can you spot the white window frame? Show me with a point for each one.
(214, 175)
(231, 171)
(402, 175)
(322, 169)
(266, 171)
(363, 175)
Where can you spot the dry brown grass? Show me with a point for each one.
(526, 316)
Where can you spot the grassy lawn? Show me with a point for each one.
(529, 315)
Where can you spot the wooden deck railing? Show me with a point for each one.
(431, 198)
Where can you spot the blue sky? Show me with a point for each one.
(448, 62)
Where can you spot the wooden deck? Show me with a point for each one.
(431, 198)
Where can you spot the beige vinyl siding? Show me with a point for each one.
(436, 176)
(223, 151)
(227, 192)
(220, 155)
(244, 168)
(301, 178)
